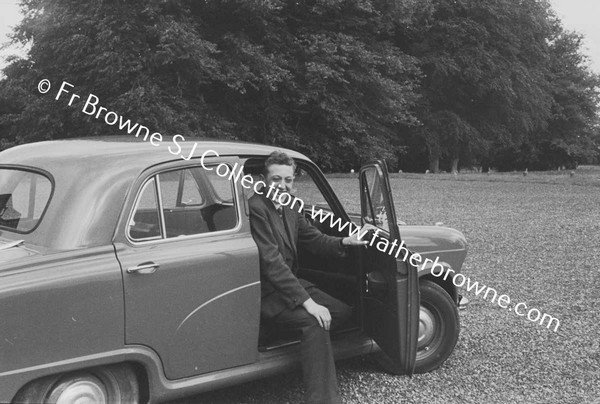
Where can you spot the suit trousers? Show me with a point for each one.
(318, 367)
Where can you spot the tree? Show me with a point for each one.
(484, 65)
(319, 76)
(575, 95)
(568, 138)
(342, 80)
(344, 92)
(144, 60)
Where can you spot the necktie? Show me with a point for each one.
(285, 225)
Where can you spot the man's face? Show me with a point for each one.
(280, 176)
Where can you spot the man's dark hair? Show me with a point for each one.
(279, 157)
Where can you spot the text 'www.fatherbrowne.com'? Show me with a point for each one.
(459, 280)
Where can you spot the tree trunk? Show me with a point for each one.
(455, 165)
(434, 164)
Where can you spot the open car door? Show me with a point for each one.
(390, 291)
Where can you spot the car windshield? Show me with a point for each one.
(24, 196)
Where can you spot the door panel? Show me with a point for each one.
(192, 287)
(199, 310)
(391, 289)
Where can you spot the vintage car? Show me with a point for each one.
(129, 273)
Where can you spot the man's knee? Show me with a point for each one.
(311, 322)
(313, 333)
(297, 318)
(340, 311)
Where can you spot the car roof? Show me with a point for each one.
(130, 152)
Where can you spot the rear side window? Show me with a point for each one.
(24, 196)
(145, 224)
(181, 203)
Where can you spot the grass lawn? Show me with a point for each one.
(535, 238)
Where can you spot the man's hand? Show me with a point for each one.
(354, 240)
(321, 313)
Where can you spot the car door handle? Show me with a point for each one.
(145, 268)
(376, 282)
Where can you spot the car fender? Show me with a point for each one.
(442, 274)
(66, 304)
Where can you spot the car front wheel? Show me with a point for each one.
(438, 327)
(438, 330)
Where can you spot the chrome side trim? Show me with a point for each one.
(11, 244)
(216, 298)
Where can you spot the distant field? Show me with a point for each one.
(583, 175)
(534, 238)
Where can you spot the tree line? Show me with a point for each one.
(424, 84)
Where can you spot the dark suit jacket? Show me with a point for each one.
(278, 250)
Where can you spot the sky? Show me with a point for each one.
(9, 17)
(582, 16)
(577, 15)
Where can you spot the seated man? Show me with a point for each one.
(285, 299)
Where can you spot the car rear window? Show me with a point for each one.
(24, 196)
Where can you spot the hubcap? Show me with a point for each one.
(426, 328)
(80, 392)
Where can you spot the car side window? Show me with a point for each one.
(307, 190)
(221, 186)
(179, 189)
(192, 201)
(145, 222)
(374, 206)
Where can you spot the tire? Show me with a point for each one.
(438, 330)
(439, 327)
(108, 385)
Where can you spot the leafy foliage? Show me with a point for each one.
(484, 64)
(316, 76)
(480, 82)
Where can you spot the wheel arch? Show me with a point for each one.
(447, 285)
(145, 364)
(37, 388)
(442, 278)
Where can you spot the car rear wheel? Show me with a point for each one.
(104, 385)
(438, 330)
